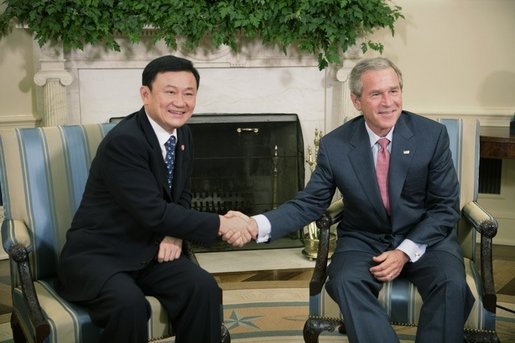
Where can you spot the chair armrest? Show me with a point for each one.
(334, 212)
(331, 216)
(17, 243)
(486, 225)
(482, 221)
(15, 232)
(20, 256)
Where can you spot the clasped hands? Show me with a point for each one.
(237, 229)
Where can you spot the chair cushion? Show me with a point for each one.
(69, 320)
(402, 302)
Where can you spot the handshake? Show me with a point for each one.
(237, 229)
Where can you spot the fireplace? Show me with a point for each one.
(246, 162)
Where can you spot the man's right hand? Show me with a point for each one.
(237, 229)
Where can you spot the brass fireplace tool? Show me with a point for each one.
(311, 233)
(275, 161)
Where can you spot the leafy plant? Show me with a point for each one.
(324, 28)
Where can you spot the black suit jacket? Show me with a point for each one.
(423, 188)
(127, 208)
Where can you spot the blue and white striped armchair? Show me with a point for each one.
(399, 297)
(43, 172)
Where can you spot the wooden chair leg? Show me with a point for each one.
(18, 336)
(342, 330)
(481, 337)
(226, 336)
(314, 326)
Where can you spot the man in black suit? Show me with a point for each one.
(407, 229)
(125, 239)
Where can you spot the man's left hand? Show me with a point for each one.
(390, 264)
(170, 249)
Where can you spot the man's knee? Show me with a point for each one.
(206, 283)
(133, 308)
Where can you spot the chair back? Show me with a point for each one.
(464, 145)
(43, 172)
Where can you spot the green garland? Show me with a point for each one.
(324, 28)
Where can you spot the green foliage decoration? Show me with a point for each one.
(323, 28)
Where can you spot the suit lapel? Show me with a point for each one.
(157, 164)
(403, 150)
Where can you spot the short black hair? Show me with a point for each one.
(167, 63)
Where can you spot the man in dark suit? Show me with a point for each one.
(406, 229)
(125, 239)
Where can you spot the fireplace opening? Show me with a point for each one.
(246, 162)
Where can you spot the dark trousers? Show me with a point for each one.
(189, 294)
(439, 277)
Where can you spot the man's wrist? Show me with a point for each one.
(413, 250)
(264, 228)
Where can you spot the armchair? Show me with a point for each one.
(43, 172)
(399, 297)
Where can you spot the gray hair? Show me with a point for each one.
(377, 63)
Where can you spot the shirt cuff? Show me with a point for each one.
(264, 228)
(412, 249)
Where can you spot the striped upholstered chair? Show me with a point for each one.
(43, 172)
(399, 297)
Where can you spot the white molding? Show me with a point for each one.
(23, 120)
(42, 76)
(137, 55)
(499, 116)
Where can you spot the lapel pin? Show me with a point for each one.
(406, 152)
(182, 147)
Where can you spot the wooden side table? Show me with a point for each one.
(496, 142)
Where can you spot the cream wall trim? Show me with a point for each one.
(24, 120)
(487, 117)
(41, 78)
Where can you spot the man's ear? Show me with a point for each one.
(356, 102)
(144, 92)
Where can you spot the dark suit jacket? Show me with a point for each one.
(127, 208)
(423, 187)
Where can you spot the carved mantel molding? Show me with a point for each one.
(62, 97)
(53, 78)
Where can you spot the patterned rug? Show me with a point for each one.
(277, 315)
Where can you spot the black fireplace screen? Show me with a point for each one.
(246, 162)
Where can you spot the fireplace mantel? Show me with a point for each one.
(94, 84)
